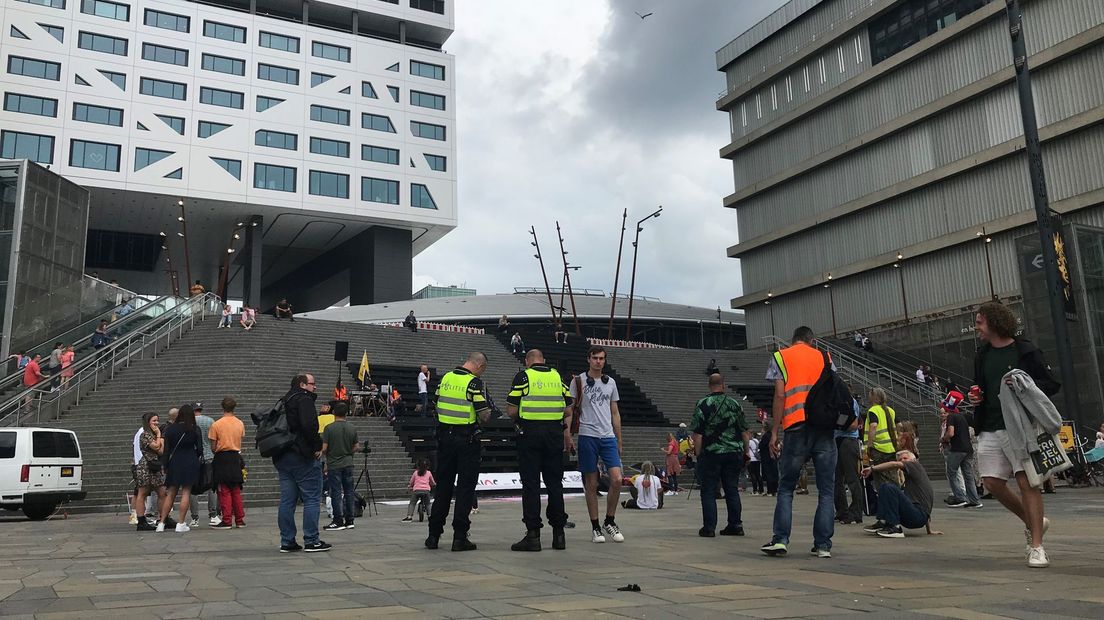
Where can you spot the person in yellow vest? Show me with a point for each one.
(794, 370)
(461, 406)
(881, 437)
(539, 403)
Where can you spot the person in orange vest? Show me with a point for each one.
(794, 370)
(340, 393)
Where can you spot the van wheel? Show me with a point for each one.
(38, 512)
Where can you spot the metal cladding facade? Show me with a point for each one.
(844, 157)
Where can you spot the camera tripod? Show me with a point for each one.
(370, 496)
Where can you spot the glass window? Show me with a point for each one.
(54, 445)
(264, 103)
(163, 88)
(223, 98)
(208, 128)
(280, 42)
(319, 78)
(7, 444)
(233, 166)
(436, 162)
(168, 55)
(276, 178)
(379, 190)
(377, 122)
(35, 147)
(274, 73)
(420, 197)
(34, 68)
(94, 155)
(427, 100)
(334, 148)
(907, 23)
(379, 154)
(329, 51)
(223, 64)
(97, 114)
(433, 6)
(329, 184)
(394, 91)
(226, 32)
(168, 21)
(325, 114)
(55, 31)
(57, 4)
(277, 140)
(426, 70)
(27, 104)
(427, 130)
(17, 33)
(103, 8)
(148, 157)
(102, 43)
(175, 174)
(175, 122)
(394, 67)
(119, 79)
(366, 90)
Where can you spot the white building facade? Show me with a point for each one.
(329, 126)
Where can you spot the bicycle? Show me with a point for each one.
(423, 507)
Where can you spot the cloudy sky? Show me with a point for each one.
(574, 110)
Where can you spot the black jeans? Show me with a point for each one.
(755, 472)
(540, 453)
(769, 468)
(722, 469)
(847, 474)
(458, 458)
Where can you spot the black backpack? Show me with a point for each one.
(828, 406)
(273, 434)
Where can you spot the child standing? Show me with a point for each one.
(421, 482)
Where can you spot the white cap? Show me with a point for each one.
(682, 425)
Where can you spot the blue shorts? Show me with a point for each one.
(590, 448)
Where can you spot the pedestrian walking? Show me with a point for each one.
(755, 470)
(299, 469)
(721, 433)
(226, 436)
(957, 453)
(339, 444)
(674, 468)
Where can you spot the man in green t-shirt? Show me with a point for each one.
(720, 437)
(339, 444)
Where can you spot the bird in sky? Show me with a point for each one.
(641, 16)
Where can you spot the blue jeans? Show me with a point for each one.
(798, 446)
(299, 478)
(955, 462)
(342, 497)
(895, 508)
(724, 469)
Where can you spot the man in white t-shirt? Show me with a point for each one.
(599, 437)
(423, 389)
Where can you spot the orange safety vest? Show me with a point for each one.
(800, 365)
(341, 393)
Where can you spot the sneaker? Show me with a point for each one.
(240, 524)
(133, 519)
(431, 541)
(774, 549)
(975, 505)
(408, 520)
(614, 532)
(706, 533)
(1037, 558)
(182, 527)
(318, 546)
(820, 553)
(1027, 535)
(732, 531)
(160, 527)
(333, 527)
(222, 526)
(951, 500)
(292, 548)
(145, 526)
(463, 544)
(874, 527)
(349, 525)
(891, 531)
(596, 536)
(170, 522)
(474, 511)
(215, 521)
(194, 523)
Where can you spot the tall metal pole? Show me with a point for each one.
(771, 307)
(901, 278)
(832, 303)
(617, 275)
(547, 289)
(187, 257)
(567, 278)
(224, 277)
(174, 284)
(988, 263)
(1047, 232)
(632, 281)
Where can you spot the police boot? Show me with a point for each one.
(431, 541)
(559, 540)
(531, 542)
(462, 544)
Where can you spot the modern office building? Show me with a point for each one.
(315, 139)
(433, 292)
(879, 171)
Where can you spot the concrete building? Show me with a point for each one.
(315, 139)
(432, 292)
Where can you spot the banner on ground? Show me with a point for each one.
(511, 481)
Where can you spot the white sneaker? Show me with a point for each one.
(181, 528)
(1027, 536)
(215, 521)
(474, 511)
(596, 536)
(614, 532)
(1037, 558)
(133, 519)
(194, 523)
(160, 527)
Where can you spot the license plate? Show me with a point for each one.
(66, 472)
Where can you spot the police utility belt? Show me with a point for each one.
(523, 425)
(461, 430)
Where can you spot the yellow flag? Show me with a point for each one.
(364, 372)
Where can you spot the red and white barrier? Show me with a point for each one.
(627, 344)
(442, 327)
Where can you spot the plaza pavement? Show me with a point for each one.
(97, 566)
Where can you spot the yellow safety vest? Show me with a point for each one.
(883, 442)
(453, 406)
(544, 400)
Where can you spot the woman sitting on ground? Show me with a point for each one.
(646, 490)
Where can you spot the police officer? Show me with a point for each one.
(538, 402)
(460, 404)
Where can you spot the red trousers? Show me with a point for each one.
(230, 500)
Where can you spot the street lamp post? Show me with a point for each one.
(771, 307)
(617, 275)
(988, 262)
(224, 277)
(174, 282)
(901, 278)
(184, 234)
(832, 304)
(632, 282)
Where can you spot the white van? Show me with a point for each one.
(39, 469)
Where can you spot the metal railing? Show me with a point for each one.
(32, 404)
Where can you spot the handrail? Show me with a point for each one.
(87, 372)
(88, 326)
(939, 371)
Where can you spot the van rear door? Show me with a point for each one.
(55, 461)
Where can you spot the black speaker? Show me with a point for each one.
(341, 350)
